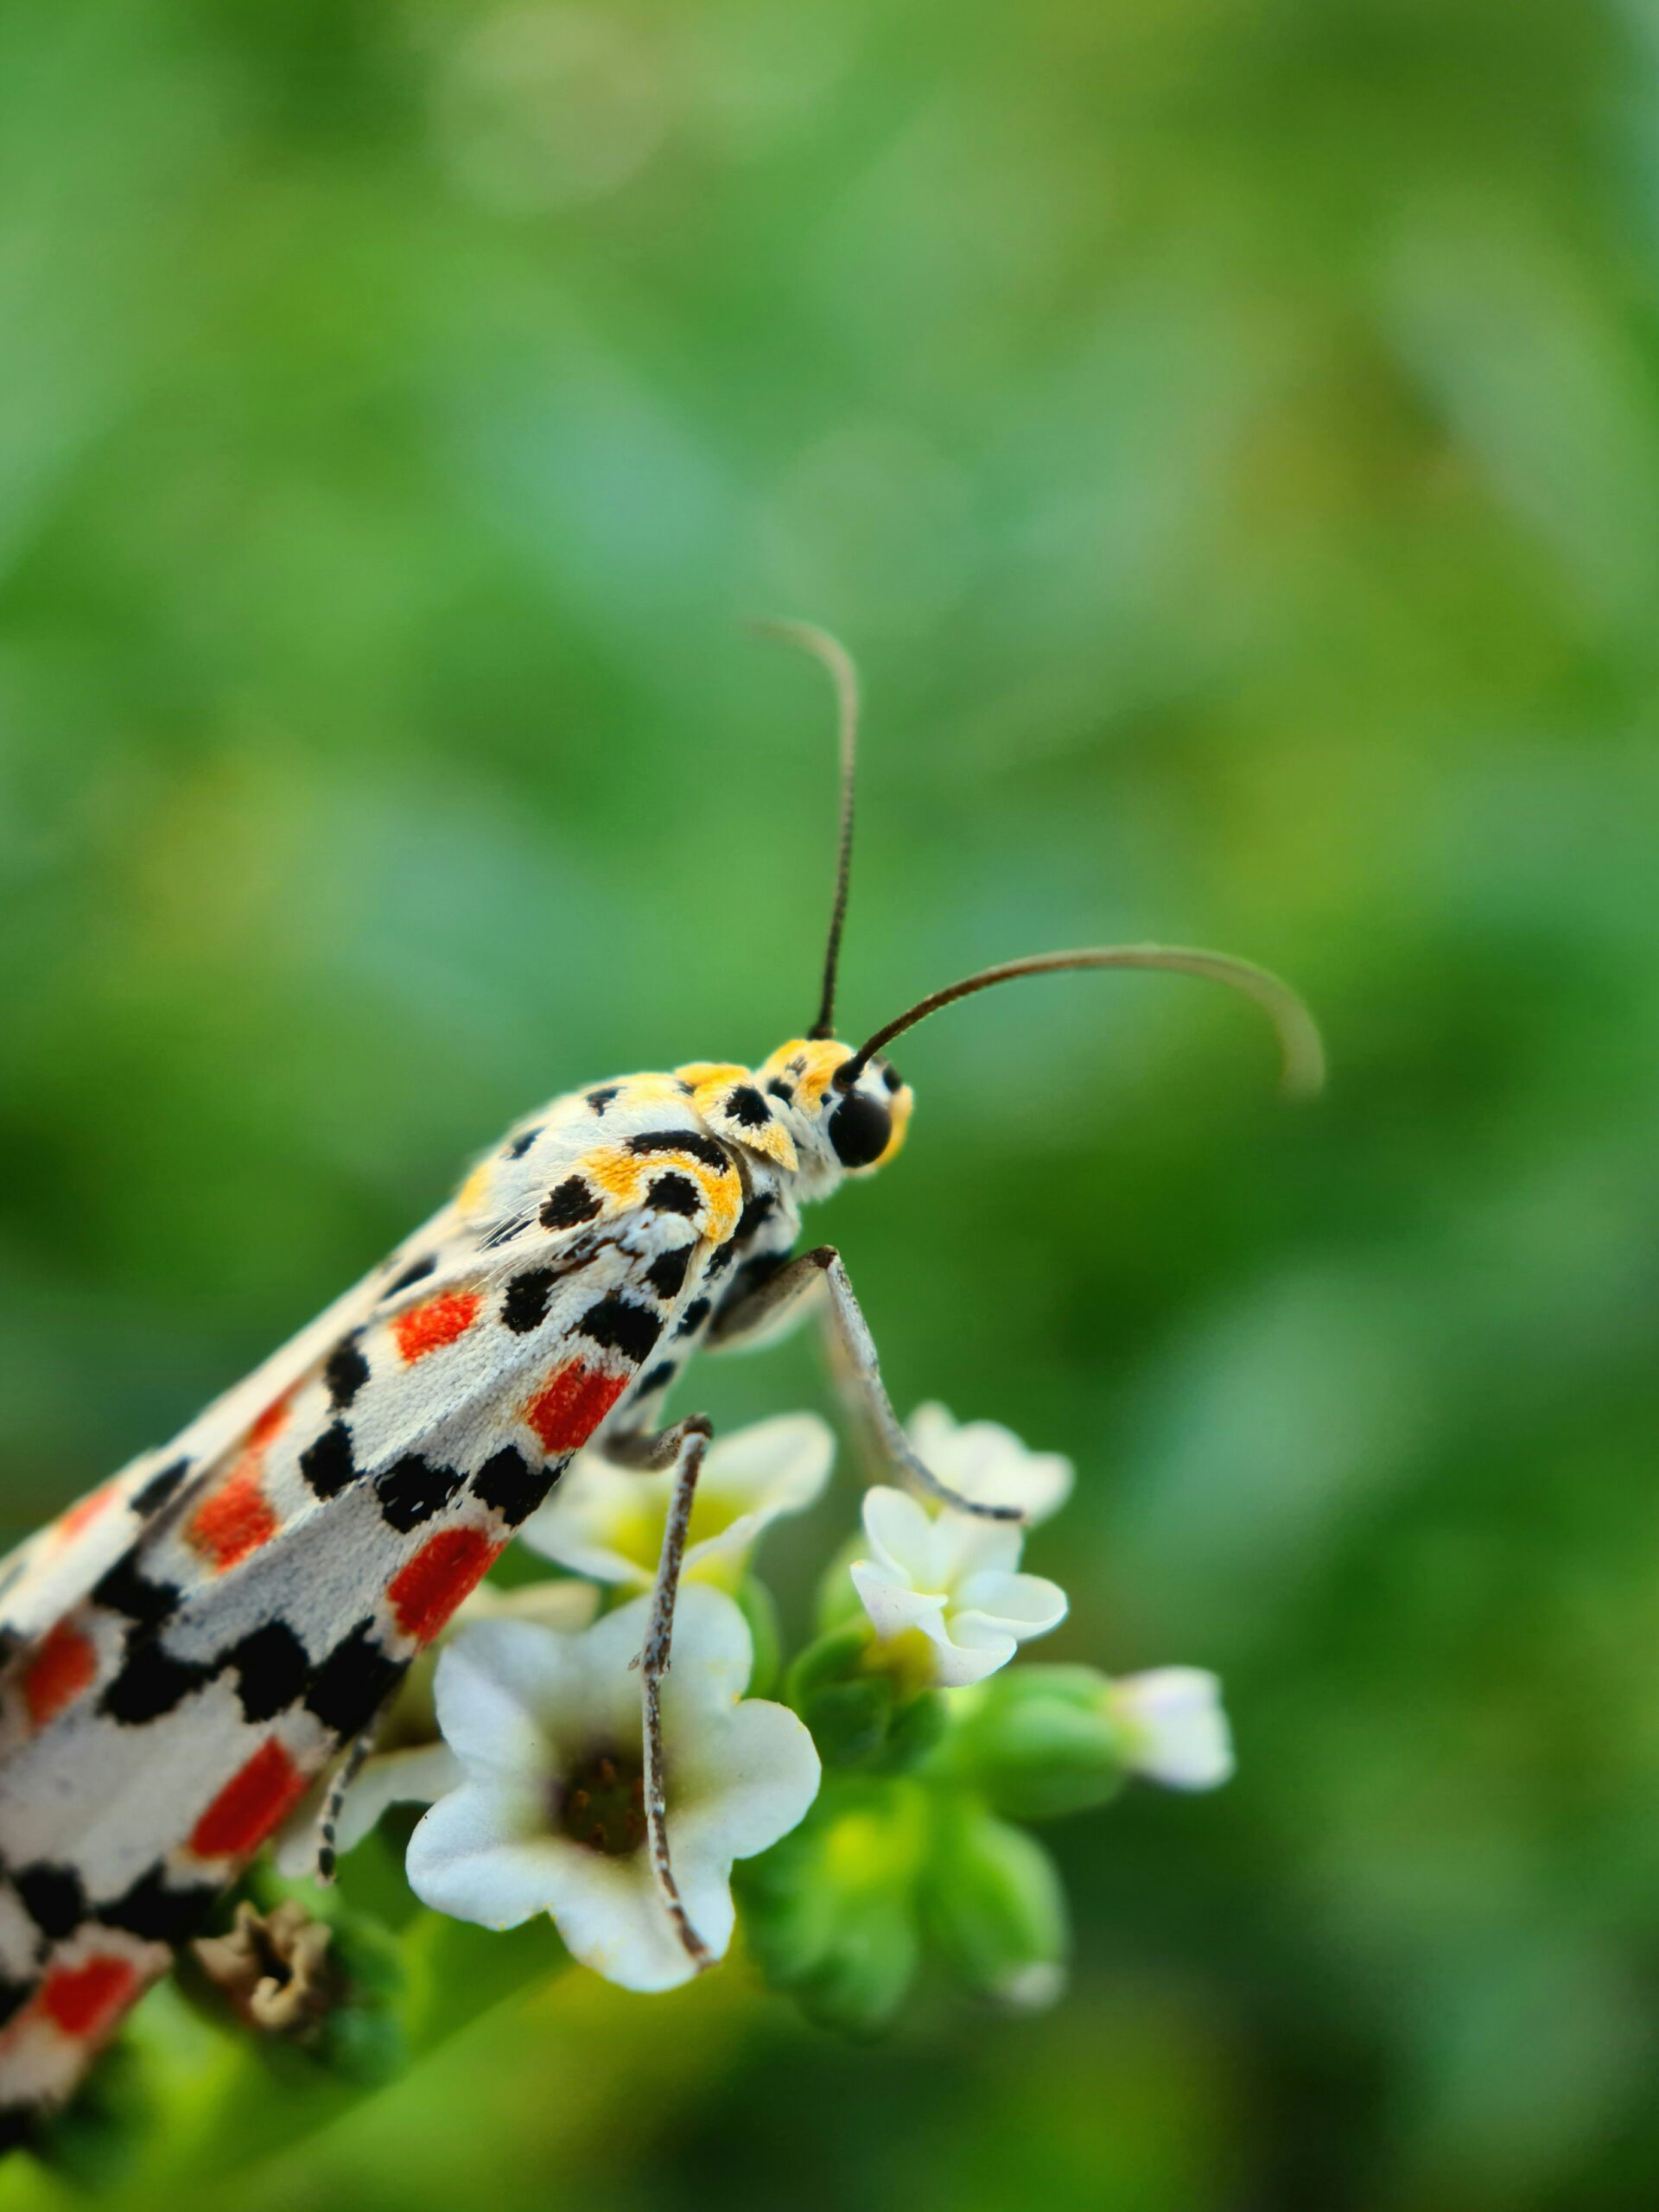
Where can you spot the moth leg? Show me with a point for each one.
(357, 1754)
(771, 1304)
(681, 1447)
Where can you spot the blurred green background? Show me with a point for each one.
(1229, 437)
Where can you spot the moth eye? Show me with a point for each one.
(860, 1129)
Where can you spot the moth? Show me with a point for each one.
(189, 1647)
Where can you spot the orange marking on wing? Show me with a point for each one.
(439, 1322)
(570, 1405)
(253, 1804)
(85, 1509)
(235, 1520)
(618, 1173)
(86, 2000)
(58, 1673)
(270, 1424)
(448, 1567)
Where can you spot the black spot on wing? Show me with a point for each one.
(271, 1667)
(675, 1193)
(692, 1142)
(779, 1089)
(569, 1203)
(693, 1318)
(53, 1898)
(156, 1914)
(414, 1490)
(520, 1144)
(328, 1464)
(347, 1371)
(659, 1377)
(667, 1272)
(156, 1492)
(509, 1483)
(745, 1105)
(417, 1271)
(621, 1324)
(720, 1261)
(14, 1995)
(123, 1590)
(600, 1099)
(151, 1681)
(351, 1685)
(524, 1308)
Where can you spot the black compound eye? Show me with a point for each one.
(860, 1129)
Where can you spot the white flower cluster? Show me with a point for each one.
(529, 1753)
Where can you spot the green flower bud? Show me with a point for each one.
(830, 1912)
(994, 1905)
(1036, 1741)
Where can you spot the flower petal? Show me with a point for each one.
(743, 1784)
(494, 1684)
(782, 1464)
(900, 1533)
(485, 1854)
(610, 1915)
(1024, 1604)
(418, 1775)
(1177, 1726)
(893, 1606)
(989, 1464)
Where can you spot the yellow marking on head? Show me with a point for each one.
(898, 1105)
(818, 1058)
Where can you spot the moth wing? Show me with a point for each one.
(56, 1567)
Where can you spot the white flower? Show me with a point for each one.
(944, 1586)
(608, 1520)
(1174, 1729)
(551, 1815)
(412, 1764)
(984, 1461)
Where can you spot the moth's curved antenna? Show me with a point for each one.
(1300, 1042)
(833, 655)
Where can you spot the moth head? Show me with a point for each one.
(848, 1120)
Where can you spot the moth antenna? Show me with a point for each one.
(833, 655)
(1300, 1043)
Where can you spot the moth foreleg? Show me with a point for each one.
(681, 1447)
(357, 1755)
(765, 1307)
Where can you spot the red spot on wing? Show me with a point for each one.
(254, 1802)
(439, 1322)
(448, 1567)
(270, 1423)
(235, 1520)
(567, 1410)
(86, 1509)
(86, 2000)
(58, 1673)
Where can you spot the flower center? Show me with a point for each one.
(603, 1804)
